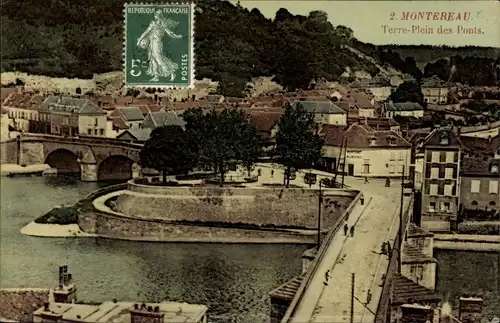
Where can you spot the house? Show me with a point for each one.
(162, 118)
(435, 91)
(62, 115)
(367, 152)
(325, 112)
(377, 123)
(5, 122)
(266, 126)
(135, 133)
(407, 109)
(479, 181)
(121, 312)
(214, 98)
(441, 179)
(23, 110)
(130, 115)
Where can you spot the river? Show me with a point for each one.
(232, 280)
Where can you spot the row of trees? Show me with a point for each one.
(219, 139)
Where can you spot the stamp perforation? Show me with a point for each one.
(192, 58)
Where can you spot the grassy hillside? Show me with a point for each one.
(78, 38)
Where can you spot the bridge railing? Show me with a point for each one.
(383, 305)
(82, 139)
(313, 268)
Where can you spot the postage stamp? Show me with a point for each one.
(158, 45)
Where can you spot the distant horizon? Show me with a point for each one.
(367, 20)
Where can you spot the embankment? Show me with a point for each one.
(467, 242)
(181, 217)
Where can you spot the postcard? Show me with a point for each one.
(249, 161)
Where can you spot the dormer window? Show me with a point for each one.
(372, 141)
(445, 140)
(392, 141)
(494, 168)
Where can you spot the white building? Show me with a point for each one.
(435, 91)
(5, 121)
(367, 152)
(325, 112)
(23, 110)
(407, 109)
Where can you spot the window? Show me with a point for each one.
(102, 132)
(448, 173)
(400, 169)
(366, 166)
(393, 155)
(475, 185)
(448, 189)
(95, 132)
(89, 132)
(492, 203)
(474, 203)
(96, 122)
(435, 172)
(450, 156)
(391, 168)
(372, 141)
(442, 156)
(433, 189)
(493, 187)
(445, 207)
(445, 139)
(401, 155)
(432, 207)
(494, 169)
(435, 157)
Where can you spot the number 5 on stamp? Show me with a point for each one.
(158, 48)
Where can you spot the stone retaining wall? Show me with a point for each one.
(116, 227)
(281, 207)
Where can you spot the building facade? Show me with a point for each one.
(60, 115)
(367, 153)
(325, 112)
(407, 109)
(441, 180)
(480, 179)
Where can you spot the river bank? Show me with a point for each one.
(467, 242)
(14, 169)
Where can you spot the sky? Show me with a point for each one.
(368, 18)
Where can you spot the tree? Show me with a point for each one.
(298, 144)
(408, 92)
(168, 150)
(229, 138)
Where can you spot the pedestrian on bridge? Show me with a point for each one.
(368, 296)
(366, 180)
(272, 173)
(352, 231)
(327, 277)
(346, 229)
(389, 249)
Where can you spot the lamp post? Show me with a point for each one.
(320, 202)
(401, 220)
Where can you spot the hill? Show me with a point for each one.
(232, 44)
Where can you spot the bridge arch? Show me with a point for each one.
(64, 160)
(115, 167)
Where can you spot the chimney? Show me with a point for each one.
(146, 314)
(46, 306)
(61, 282)
(470, 309)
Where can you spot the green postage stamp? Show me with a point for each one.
(158, 49)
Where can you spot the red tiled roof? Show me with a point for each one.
(264, 121)
(119, 123)
(6, 91)
(405, 290)
(25, 100)
(360, 136)
(20, 305)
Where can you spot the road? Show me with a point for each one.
(375, 222)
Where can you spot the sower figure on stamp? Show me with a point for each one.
(152, 40)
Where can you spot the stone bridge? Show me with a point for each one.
(95, 159)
